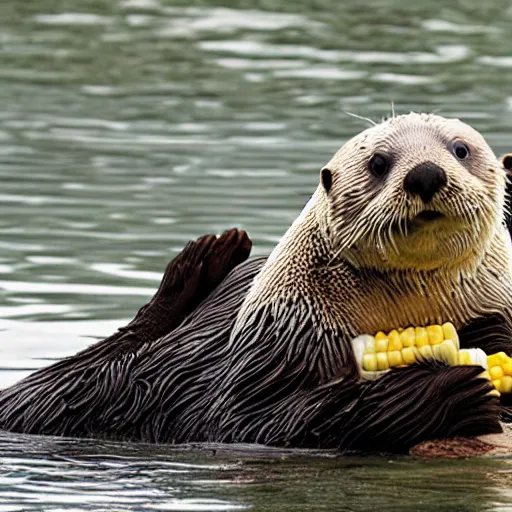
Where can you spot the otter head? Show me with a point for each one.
(416, 192)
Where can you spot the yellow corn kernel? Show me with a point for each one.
(369, 346)
(465, 358)
(507, 368)
(494, 392)
(395, 358)
(381, 345)
(426, 352)
(497, 384)
(394, 341)
(407, 337)
(409, 355)
(497, 359)
(450, 333)
(448, 352)
(382, 361)
(485, 375)
(421, 337)
(435, 334)
(436, 350)
(380, 336)
(496, 372)
(370, 362)
(506, 384)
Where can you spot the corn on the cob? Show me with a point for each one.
(498, 366)
(500, 371)
(377, 354)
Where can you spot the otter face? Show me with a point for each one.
(415, 192)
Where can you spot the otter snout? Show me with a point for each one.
(425, 180)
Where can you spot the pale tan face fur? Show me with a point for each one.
(373, 220)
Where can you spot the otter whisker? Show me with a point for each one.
(367, 119)
(381, 241)
(395, 221)
(392, 239)
(375, 222)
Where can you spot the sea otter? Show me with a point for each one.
(406, 227)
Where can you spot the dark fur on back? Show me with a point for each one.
(192, 384)
(72, 396)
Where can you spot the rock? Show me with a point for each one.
(463, 447)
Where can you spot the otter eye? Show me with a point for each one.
(379, 165)
(326, 177)
(460, 150)
(506, 160)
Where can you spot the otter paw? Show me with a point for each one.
(201, 267)
(227, 251)
(188, 279)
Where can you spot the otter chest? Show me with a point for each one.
(372, 303)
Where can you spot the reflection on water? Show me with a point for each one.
(128, 127)
(49, 474)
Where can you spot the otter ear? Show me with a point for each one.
(506, 161)
(326, 178)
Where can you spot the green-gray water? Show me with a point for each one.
(129, 127)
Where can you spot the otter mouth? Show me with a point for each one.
(425, 219)
(428, 216)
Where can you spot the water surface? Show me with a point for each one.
(129, 127)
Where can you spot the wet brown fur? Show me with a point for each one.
(160, 390)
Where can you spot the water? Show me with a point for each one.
(85, 475)
(129, 127)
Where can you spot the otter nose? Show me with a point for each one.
(425, 180)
